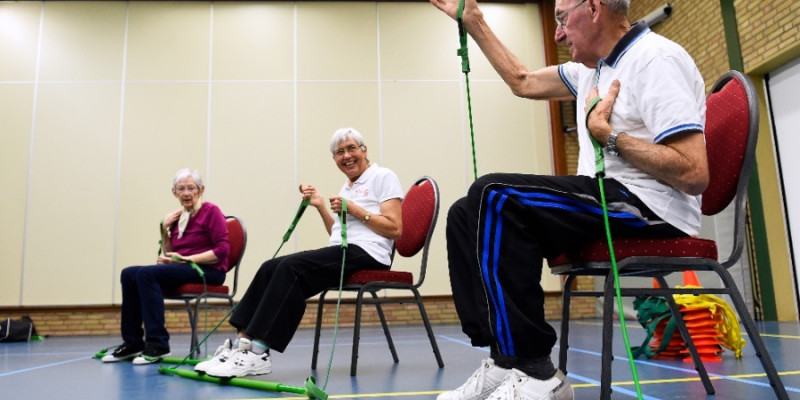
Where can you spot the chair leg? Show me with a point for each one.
(385, 326)
(752, 332)
(699, 366)
(608, 326)
(192, 324)
(428, 328)
(564, 337)
(356, 332)
(317, 330)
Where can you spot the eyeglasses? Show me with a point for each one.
(339, 153)
(561, 17)
(190, 189)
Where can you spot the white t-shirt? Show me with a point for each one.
(372, 188)
(661, 94)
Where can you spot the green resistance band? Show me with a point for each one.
(343, 223)
(600, 172)
(463, 52)
(205, 289)
(310, 387)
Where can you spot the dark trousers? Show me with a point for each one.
(498, 236)
(143, 299)
(275, 301)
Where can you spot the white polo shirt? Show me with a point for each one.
(372, 188)
(661, 94)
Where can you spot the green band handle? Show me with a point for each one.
(463, 51)
(300, 210)
(162, 230)
(343, 222)
(599, 156)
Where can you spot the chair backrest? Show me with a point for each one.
(237, 237)
(731, 132)
(420, 211)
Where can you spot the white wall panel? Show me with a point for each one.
(101, 102)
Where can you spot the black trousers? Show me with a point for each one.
(143, 300)
(275, 301)
(498, 236)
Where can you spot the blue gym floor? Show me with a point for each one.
(62, 368)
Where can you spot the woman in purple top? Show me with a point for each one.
(196, 232)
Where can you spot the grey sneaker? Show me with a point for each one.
(220, 356)
(480, 385)
(518, 386)
(242, 362)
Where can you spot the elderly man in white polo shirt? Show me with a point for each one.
(651, 123)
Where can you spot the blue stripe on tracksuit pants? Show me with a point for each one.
(498, 236)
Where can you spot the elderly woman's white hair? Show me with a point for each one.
(342, 135)
(185, 173)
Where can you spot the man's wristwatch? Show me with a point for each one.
(611, 144)
(366, 218)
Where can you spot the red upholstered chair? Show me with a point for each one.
(195, 292)
(731, 130)
(420, 209)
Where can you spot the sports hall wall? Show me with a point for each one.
(101, 102)
(85, 177)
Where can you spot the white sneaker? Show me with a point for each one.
(150, 356)
(480, 385)
(220, 356)
(519, 386)
(242, 362)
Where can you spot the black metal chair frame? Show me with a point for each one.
(659, 267)
(200, 298)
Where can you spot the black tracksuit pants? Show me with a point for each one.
(498, 236)
(275, 301)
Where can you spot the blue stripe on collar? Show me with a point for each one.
(634, 34)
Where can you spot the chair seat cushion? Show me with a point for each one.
(644, 247)
(380, 275)
(197, 288)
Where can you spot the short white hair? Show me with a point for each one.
(184, 173)
(342, 134)
(619, 7)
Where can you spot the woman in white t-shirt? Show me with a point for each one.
(271, 310)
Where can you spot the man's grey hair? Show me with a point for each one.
(185, 173)
(342, 134)
(619, 7)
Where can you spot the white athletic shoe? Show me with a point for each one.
(122, 353)
(242, 362)
(480, 385)
(150, 356)
(519, 386)
(220, 356)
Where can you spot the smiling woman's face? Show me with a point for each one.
(351, 159)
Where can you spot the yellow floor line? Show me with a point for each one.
(779, 336)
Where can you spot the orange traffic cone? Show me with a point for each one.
(703, 328)
(673, 349)
(690, 279)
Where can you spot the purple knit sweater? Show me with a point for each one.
(206, 230)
